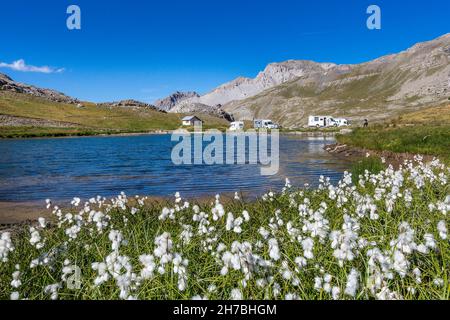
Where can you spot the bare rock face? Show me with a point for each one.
(7, 84)
(169, 102)
(130, 103)
(273, 75)
(195, 107)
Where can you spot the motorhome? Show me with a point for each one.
(321, 121)
(236, 126)
(341, 122)
(264, 124)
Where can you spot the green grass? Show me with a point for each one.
(370, 164)
(90, 119)
(419, 139)
(36, 132)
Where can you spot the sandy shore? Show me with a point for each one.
(18, 212)
(13, 213)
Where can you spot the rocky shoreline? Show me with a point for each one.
(345, 151)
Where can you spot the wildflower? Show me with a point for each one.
(237, 225)
(438, 282)
(16, 282)
(274, 251)
(335, 292)
(291, 296)
(230, 221)
(417, 274)
(75, 202)
(35, 239)
(103, 275)
(261, 282)
(429, 240)
(263, 232)
(52, 290)
(308, 245)
(167, 213)
(246, 215)
(318, 283)
(14, 295)
(400, 263)
(6, 246)
(276, 289)
(442, 229)
(148, 261)
(352, 283)
(236, 294)
(42, 222)
(212, 288)
(300, 261)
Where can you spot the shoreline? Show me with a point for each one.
(27, 212)
(156, 132)
(62, 136)
(344, 151)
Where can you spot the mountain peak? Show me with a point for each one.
(169, 102)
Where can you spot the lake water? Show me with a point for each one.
(62, 168)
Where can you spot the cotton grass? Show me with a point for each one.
(383, 237)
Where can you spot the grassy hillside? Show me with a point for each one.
(424, 132)
(87, 120)
(427, 116)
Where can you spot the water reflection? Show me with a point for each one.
(35, 169)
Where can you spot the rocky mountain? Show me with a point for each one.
(169, 102)
(189, 106)
(8, 84)
(288, 92)
(241, 88)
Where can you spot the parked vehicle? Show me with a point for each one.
(321, 121)
(264, 124)
(341, 122)
(236, 125)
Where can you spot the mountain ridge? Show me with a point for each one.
(285, 91)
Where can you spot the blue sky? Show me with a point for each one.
(148, 49)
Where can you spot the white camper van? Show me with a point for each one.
(264, 124)
(237, 125)
(321, 121)
(341, 122)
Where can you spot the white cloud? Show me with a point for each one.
(20, 65)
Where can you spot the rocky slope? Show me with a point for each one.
(7, 84)
(380, 89)
(130, 103)
(241, 88)
(288, 92)
(169, 102)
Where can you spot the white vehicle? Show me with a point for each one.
(341, 122)
(321, 121)
(237, 125)
(264, 124)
